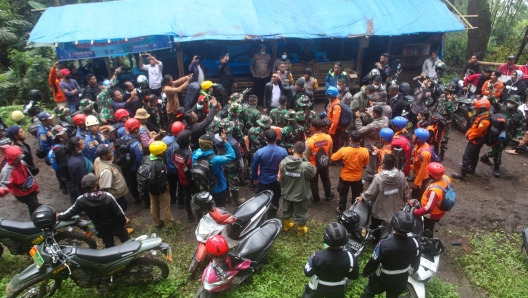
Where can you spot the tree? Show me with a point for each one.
(478, 38)
(13, 34)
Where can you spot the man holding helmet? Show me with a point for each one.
(154, 69)
(393, 257)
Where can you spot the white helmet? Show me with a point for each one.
(374, 72)
(91, 120)
(142, 80)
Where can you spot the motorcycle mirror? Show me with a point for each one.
(428, 233)
(455, 244)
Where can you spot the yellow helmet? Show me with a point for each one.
(206, 85)
(91, 120)
(157, 147)
(16, 116)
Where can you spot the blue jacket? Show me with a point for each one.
(170, 141)
(268, 158)
(136, 153)
(91, 143)
(331, 79)
(81, 133)
(120, 130)
(77, 170)
(45, 138)
(216, 164)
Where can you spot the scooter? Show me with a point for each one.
(19, 237)
(464, 110)
(234, 227)
(226, 273)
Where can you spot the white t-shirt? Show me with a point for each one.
(154, 75)
(275, 95)
(200, 75)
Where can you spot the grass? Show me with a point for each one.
(495, 263)
(5, 113)
(282, 277)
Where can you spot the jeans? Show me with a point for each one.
(324, 173)
(342, 189)
(161, 203)
(108, 237)
(73, 107)
(31, 201)
(72, 191)
(274, 187)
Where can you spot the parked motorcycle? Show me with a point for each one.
(234, 227)
(463, 112)
(395, 64)
(226, 273)
(19, 237)
(123, 264)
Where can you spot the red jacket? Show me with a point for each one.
(472, 79)
(14, 175)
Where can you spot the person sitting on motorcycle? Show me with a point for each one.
(17, 135)
(330, 268)
(388, 268)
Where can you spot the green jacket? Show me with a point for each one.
(295, 175)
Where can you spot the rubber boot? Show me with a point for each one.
(461, 175)
(301, 230)
(287, 224)
(496, 171)
(236, 200)
(441, 155)
(130, 231)
(485, 159)
(228, 195)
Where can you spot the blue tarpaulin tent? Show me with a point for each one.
(191, 20)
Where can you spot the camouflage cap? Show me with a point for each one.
(58, 130)
(304, 101)
(515, 99)
(236, 97)
(291, 116)
(235, 108)
(227, 126)
(86, 104)
(265, 122)
(301, 116)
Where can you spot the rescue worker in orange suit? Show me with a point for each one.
(422, 157)
(433, 196)
(475, 135)
(386, 135)
(333, 114)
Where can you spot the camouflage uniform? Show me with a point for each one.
(256, 134)
(214, 125)
(232, 170)
(250, 115)
(306, 116)
(445, 109)
(514, 129)
(234, 98)
(238, 126)
(278, 116)
(292, 133)
(105, 102)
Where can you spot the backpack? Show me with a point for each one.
(201, 173)
(145, 175)
(345, 118)
(123, 155)
(436, 130)
(39, 152)
(498, 124)
(449, 199)
(434, 157)
(51, 157)
(401, 149)
(183, 166)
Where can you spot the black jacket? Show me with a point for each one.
(159, 183)
(395, 253)
(28, 158)
(477, 68)
(102, 209)
(62, 159)
(193, 68)
(226, 75)
(91, 92)
(518, 88)
(268, 91)
(332, 265)
(198, 129)
(293, 93)
(396, 105)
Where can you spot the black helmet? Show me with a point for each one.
(349, 219)
(44, 217)
(202, 201)
(405, 89)
(35, 95)
(402, 222)
(335, 234)
(440, 67)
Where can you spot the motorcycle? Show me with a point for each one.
(226, 273)
(464, 110)
(234, 227)
(19, 237)
(395, 64)
(122, 264)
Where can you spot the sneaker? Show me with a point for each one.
(331, 197)
(160, 226)
(314, 201)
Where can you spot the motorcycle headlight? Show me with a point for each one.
(363, 233)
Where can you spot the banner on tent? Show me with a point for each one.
(116, 47)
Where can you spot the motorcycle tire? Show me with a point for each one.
(74, 238)
(430, 102)
(195, 266)
(144, 265)
(201, 293)
(38, 283)
(461, 120)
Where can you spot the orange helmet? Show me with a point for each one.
(176, 127)
(79, 119)
(120, 114)
(132, 124)
(483, 103)
(216, 246)
(435, 169)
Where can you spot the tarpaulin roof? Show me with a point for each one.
(190, 20)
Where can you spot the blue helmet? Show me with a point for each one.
(421, 134)
(106, 83)
(399, 122)
(332, 91)
(386, 134)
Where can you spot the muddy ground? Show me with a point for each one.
(483, 202)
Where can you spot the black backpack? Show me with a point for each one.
(145, 175)
(498, 124)
(322, 160)
(201, 173)
(124, 157)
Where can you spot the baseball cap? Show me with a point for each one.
(88, 181)
(102, 149)
(45, 116)
(64, 71)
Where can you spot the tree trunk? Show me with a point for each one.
(57, 3)
(523, 44)
(478, 38)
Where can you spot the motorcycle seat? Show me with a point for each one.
(251, 247)
(245, 212)
(108, 255)
(20, 227)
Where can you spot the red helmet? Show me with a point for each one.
(435, 169)
(132, 124)
(483, 103)
(216, 246)
(177, 127)
(79, 119)
(119, 114)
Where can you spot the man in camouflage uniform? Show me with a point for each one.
(278, 114)
(238, 126)
(445, 109)
(306, 115)
(513, 131)
(292, 133)
(234, 98)
(214, 125)
(232, 170)
(250, 114)
(257, 140)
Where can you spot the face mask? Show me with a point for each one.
(284, 57)
(199, 107)
(79, 151)
(262, 53)
(511, 106)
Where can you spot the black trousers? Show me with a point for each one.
(392, 285)
(275, 188)
(343, 187)
(412, 118)
(374, 223)
(175, 187)
(471, 157)
(188, 193)
(108, 237)
(227, 92)
(259, 85)
(131, 180)
(324, 292)
(31, 201)
(324, 173)
(157, 92)
(220, 198)
(418, 193)
(429, 224)
(123, 203)
(337, 141)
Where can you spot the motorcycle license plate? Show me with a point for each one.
(37, 258)
(428, 264)
(354, 245)
(169, 254)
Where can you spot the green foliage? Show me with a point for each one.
(495, 263)
(455, 53)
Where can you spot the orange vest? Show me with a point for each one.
(320, 140)
(386, 149)
(439, 193)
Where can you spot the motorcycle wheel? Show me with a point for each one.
(145, 270)
(409, 292)
(430, 102)
(461, 120)
(74, 238)
(201, 293)
(195, 265)
(40, 286)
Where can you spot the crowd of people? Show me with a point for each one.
(113, 146)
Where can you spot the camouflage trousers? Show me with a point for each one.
(233, 177)
(496, 152)
(445, 139)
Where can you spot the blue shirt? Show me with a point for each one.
(120, 130)
(81, 133)
(216, 164)
(90, 145)
(170, 141)
(268, 158)
(136, 151)
(45, 138)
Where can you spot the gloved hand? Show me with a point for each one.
(3, 192)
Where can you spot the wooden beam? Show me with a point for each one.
(470, 16)
(463, 18)
(179, 59)
(39, 9)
